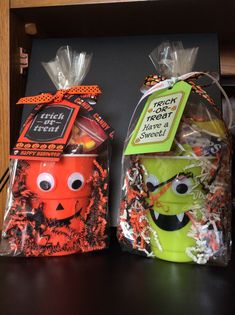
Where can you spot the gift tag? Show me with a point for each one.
(45, 136)
(159, 121)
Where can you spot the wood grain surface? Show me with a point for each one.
(4, 94)
(46, 3)
(227, 60)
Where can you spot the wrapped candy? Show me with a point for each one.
(58, 194)
(176, 174)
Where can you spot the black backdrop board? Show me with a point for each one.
(119, 66)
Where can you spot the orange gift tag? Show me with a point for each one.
(45, 136)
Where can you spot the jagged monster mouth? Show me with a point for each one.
(170, 222)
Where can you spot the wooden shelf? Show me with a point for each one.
(4, 95)
(113, 17)
(92, 18)
(16, 4)
(227, 60)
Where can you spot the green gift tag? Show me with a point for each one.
(159, 121)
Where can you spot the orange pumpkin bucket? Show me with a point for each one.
(64, 189)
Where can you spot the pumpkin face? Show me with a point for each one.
(63, 186)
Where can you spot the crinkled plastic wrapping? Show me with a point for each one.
(60, 208)
(228, 115)
(176, 205)
(68, 68)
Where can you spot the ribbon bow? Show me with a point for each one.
(46, 98)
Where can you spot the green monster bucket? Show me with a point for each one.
(175, 204)
(174, 188)
(176, 195)
(178, 186)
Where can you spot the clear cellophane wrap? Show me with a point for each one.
(60, 208)
(176, 205)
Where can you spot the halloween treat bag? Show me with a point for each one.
(176, 172)
(58, 193)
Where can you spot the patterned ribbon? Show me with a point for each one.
(46, 98)
(4, 179)
(152, 80)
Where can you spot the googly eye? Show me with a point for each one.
(45, 182)
(182, 186)
(151, 183)
(75, 181)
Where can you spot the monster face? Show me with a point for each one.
(174, 189)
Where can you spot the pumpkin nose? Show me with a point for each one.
(60, 207)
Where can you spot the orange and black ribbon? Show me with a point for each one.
(47, 98)
(151, 80)
(4, 179)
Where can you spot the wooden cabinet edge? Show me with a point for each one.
(227, 60)
(4, 96)
(15, 4)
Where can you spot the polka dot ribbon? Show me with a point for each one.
(46, 98)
